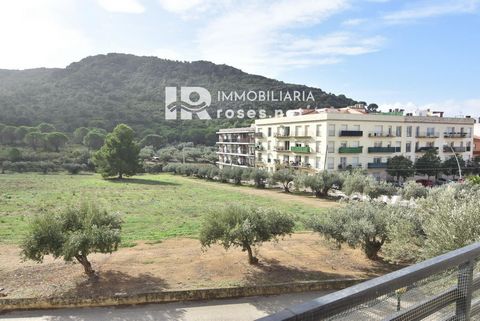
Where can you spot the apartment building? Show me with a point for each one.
(338, 139)
(236, 147)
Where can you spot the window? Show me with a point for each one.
(354, 144)
(377, 144)
(297, 130)
(430, 131)
(409, 131)
(331, 147)
(331, 163)
(450, 130)
(430, 144)
(398, 144)
(306, 159)
(355, 161)
(377, 160)
(331, 130)
(269, 159)
(408, 147)
(318, 146)
(469, 135)
(343, 162)
(319, 130)
(398, 131)
(268, 146)
(269, 131)
(390, 131)
(318, 162)
(343, 127)
(285, 159)
(307, 128)
(356, 127)
(378, 130)
(343, 144)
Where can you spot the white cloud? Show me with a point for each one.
(354, 22)
(257, 36)
(433, 9)
(34, 35)
(460, 108)
(122, 6)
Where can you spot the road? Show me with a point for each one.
(221, 310)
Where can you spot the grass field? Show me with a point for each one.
(153, 207)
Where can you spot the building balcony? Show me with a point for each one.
(457, 149)
(384, 149)
(344, 167)
(381, 134)
(259, 135)
(300, 149)
(286, 136)
(351, 133)
(427, 135)
(377, 165)
(281, 149)
(425, 149)
(350, 150)
(454, 135)
(236, 141)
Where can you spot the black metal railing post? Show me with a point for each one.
(465, 282)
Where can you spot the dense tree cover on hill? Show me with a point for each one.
(106, 90)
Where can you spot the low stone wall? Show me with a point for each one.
(175, 295)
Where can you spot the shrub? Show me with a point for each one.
(244, 227)
(413, 190)
(377, 189)
(73, 168)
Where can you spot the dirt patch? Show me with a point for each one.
(181, 264)
(277, 194)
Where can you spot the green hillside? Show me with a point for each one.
(104, 90)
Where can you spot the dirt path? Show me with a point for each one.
(272, 193)
(180, 264)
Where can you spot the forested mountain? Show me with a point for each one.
(104, 90)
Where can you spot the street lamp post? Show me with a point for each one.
(458, 163)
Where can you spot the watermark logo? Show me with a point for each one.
(193, 100)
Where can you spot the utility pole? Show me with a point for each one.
(456, 158)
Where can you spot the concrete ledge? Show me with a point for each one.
(175, 295)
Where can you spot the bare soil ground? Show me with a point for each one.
(179, 264)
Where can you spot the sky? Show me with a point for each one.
(412, 54)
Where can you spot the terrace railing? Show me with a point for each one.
(446, 287)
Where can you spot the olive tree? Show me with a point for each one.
(359, 224)
(259, 177)
(413, 190)
(73, 233)
(244, 227)
(285, 177)
(322, 182)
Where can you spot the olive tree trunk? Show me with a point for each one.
(87, 266)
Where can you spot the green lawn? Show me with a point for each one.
(153, 207)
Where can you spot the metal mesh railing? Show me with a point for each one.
(443, 288)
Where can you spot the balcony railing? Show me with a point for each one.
(442, 288)
(384, 149)
(300, 149)
(454, 135)
(351, 133)
(427, 135)
(281, 149)
(457, 149)
(377, 165)
(290, 135)
(350, 150)
(425, 149)
(349, 166)
(381, 134)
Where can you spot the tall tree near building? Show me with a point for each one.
(119, 155)
(450, 165)
(429, 164)
(372, 108)
(400, 166)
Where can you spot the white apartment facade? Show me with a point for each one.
(338, 139)
(236, 147)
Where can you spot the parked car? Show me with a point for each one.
(425, 182)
